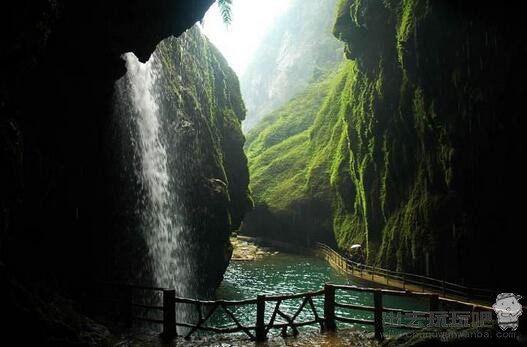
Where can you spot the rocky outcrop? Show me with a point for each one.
(187, 128)
(201, 95)
(247, 250)
(415, 148)
(59, 63)
(38, 316)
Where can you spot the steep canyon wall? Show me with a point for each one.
(415, 149)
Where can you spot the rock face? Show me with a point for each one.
(414, 150)
(48, 319)
(197, 150)
(59, 62)
(298, 46)
(204, 93)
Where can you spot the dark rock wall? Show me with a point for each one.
(58, 63)
(439, 137)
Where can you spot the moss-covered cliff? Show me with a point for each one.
(415, 148)
(280, 152)
(209, 104)
(192, 112)
(203, 94)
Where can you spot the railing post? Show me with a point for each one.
(169, 313)
(329, 308)
(434, 303)
(377, 314)
(260, 318)
(444, 291)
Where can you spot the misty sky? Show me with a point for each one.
(251, 19)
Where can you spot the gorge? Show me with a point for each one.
(403, 147)
(391, 124)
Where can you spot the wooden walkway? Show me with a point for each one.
(160, 305)
(385, 277)
(406, 281)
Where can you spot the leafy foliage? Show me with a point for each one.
(225, 7)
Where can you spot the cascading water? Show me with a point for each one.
(154, 172)
(167, 239)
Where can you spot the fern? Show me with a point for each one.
(225, 10)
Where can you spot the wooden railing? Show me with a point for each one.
(325, 317)
(403, 279)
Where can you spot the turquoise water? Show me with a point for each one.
(290, 274)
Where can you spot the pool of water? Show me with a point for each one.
(289, 274)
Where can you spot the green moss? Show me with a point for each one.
(280, 156)
(319, 162)
(207, 94)
(405, 26)
(392, 145)
(281, 181)
(341, 26)
(409, 13)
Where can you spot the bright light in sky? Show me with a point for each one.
(251, 20)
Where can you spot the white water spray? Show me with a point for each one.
(164, 230)
(158, 220)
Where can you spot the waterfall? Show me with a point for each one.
(145, 135)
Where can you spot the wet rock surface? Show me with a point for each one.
(244, 249)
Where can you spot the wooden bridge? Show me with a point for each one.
(321, 305)
(324, 316)
(405, 281)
